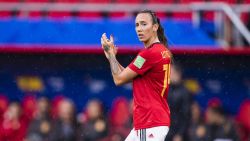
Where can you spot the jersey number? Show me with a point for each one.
(166, 81)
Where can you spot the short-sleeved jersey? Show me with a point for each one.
(150, 87)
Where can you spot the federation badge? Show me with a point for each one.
(139, 61)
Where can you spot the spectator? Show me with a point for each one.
(180, 102)
(28, 107)
(131, 105)
(243, 120)
(40, 127)
(219, 127)
(94, 125)
(13, 127)
(65, 128)
(55, 104)
(120, 119)
(3, 106)
(197, 129)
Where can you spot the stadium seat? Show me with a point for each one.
(97, 1)
(124, 14)
(37, 1)
(67, 1)
(5, 13)
(120, 14)
(246, 1)
(210, 15)
(185, 15)
(10, 13)
(129, 1)
(226, 1)
(36, 13)
(93, 14)
(189, 1)
(161, 14)
(59, 14)
(90, 14)
(10, 0)
(245, 16)
(160, 1)
(53, 14)
(182, 15)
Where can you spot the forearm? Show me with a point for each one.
(121, 67)
(120, 74)
(115, 67)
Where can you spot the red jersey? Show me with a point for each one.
(150, 87)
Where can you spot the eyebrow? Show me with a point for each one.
(140, 22)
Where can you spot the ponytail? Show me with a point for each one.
(161, 34)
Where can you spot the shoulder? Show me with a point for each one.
(157, 47)
(156, 51)
(161, 51)
(154, 48)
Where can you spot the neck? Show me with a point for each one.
(152, 40)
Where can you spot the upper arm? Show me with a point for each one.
(125, 76)
(141, 64)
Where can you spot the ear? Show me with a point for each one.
(155, 27)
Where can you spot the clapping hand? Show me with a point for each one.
(108, 45)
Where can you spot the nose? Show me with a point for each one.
(139, 29)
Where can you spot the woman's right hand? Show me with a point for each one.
(108, 45)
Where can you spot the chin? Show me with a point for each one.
(142, 40)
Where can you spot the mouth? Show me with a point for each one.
(140, 35)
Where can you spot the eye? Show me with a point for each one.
(143, 23)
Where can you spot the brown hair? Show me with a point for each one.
(160, 31)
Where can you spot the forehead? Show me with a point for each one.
(143, 17)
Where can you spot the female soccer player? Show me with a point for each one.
(150, 72)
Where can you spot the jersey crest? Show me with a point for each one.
(139, 61)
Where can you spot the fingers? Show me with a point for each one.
(104, 36)
(111, 38)
(102, 41)
(108, 44)
(105, 39)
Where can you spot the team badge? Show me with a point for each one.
(139, 61)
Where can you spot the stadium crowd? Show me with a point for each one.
(43, 119)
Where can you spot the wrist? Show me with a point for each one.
(111, 56)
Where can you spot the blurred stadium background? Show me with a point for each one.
(55, 83)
